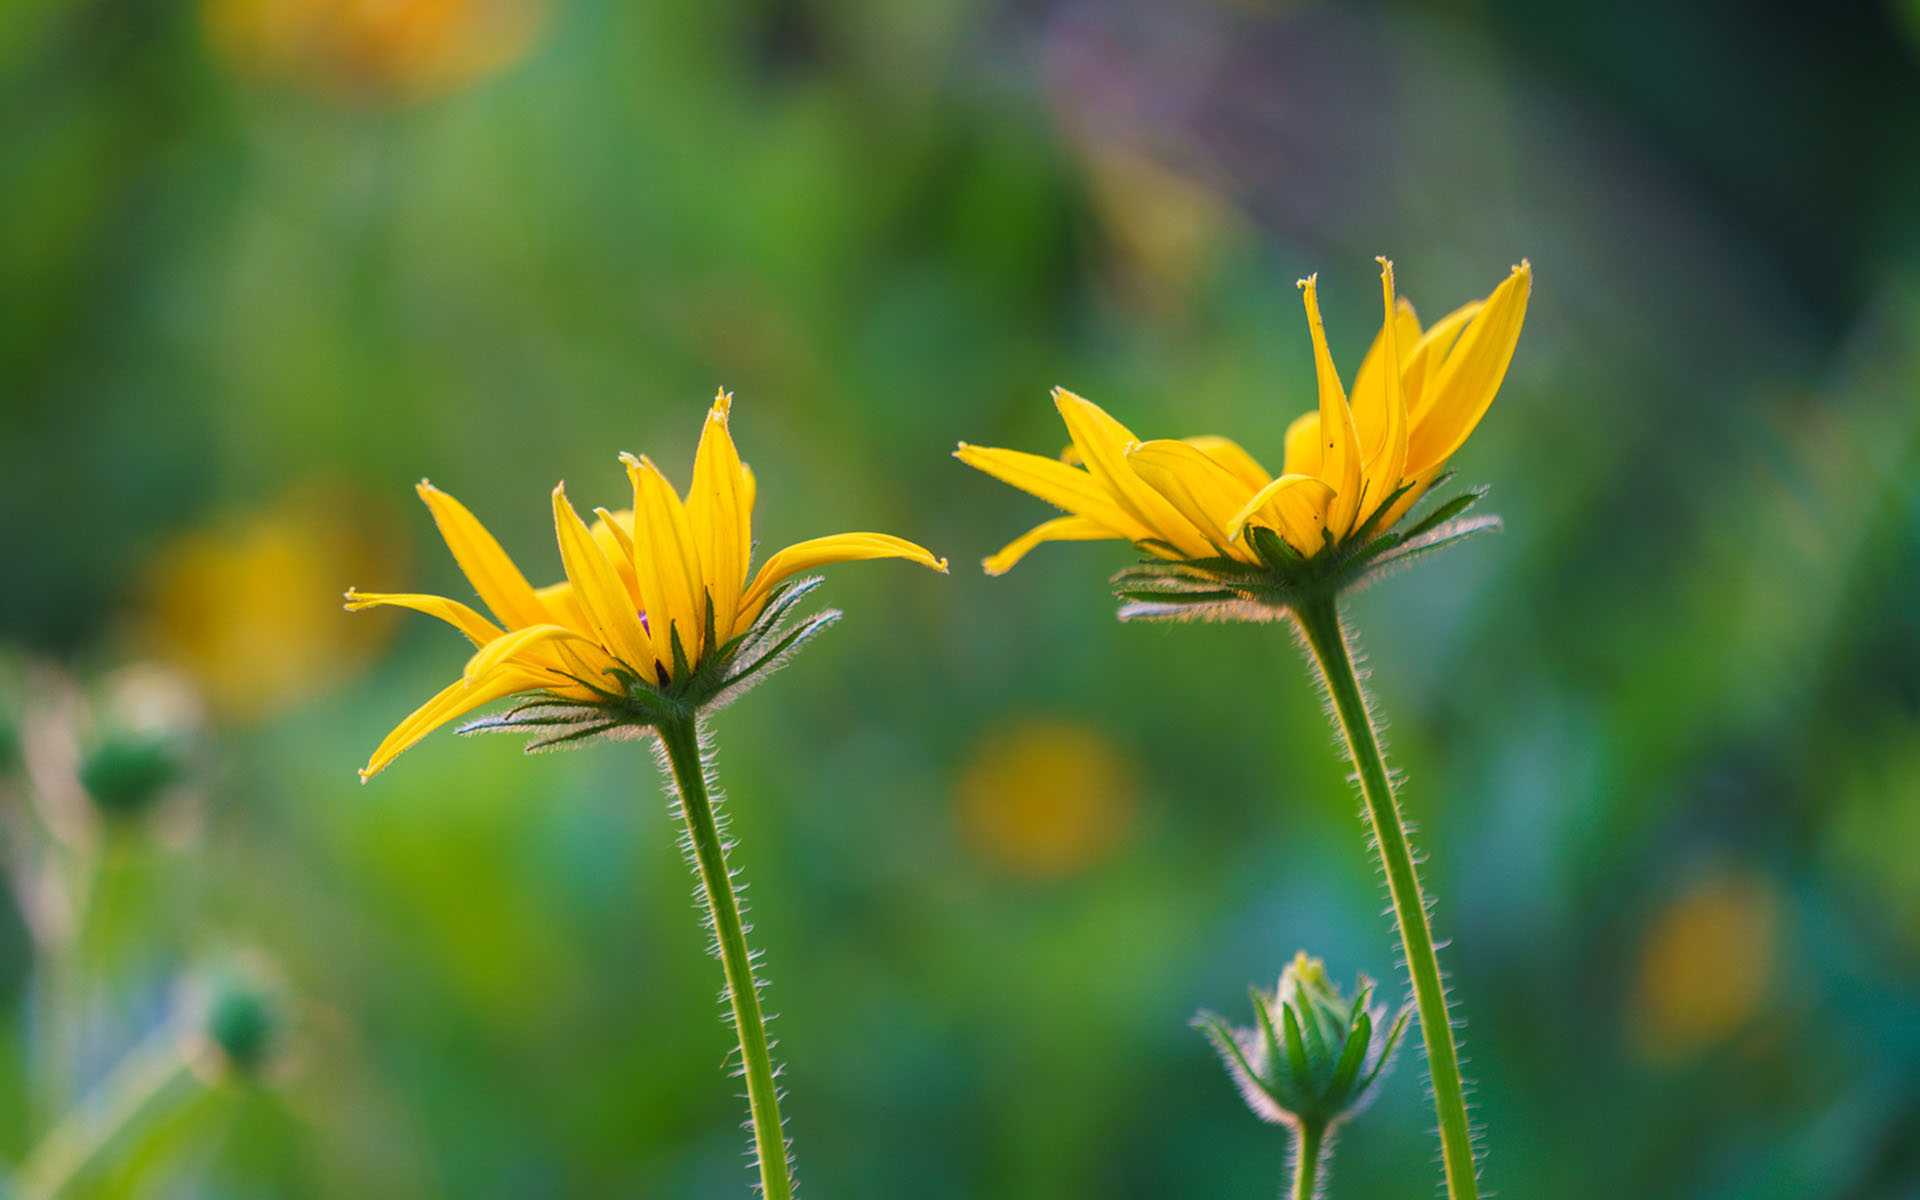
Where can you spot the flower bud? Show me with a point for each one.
(240, 1013)
(128, 771)
(1313, 1058)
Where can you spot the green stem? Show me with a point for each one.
(681, 741)
(1309, 1145)
(138, 1085)
(1320, 623)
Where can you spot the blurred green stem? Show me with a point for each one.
(1309, 1143)
(681, 743)
(1327, 638)
(151, 1075)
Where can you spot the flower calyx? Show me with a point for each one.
(1227, 589)
(1313, 1058)
(626, 706)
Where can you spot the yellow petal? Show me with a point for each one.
(455, 701)
(668, 564)
(1204, 492)
(1381, 470)
(1465, 385)
(1228, 454)
(603, 599)
(1339, 444)
(1369, 399)
(1058, 484)
(717, 514)
(1103, 442)
(498, 582)
(565, 607)
(1304, 454)
(1428, 354)
(843, 547)
(478, 629)
(1060, 529)
(614, 532)
(515, 646)
(1293, 505)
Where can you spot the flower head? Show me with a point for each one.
(658, 614)
(1353, 467)
(1312, 1056)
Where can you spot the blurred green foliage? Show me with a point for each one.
(1662, 736)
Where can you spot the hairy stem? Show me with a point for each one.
(1309, 1147)
(681, 742)
(1320, 623)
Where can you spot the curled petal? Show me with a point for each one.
(478, 629)
(1060, 529)
(515, 647)
(844, 547)
(454, 701)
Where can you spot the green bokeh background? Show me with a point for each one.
(1692, 656)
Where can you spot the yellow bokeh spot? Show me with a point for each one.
(1706, 965)
(250, 605)
(1045, 798)
(372, 50)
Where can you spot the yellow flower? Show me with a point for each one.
(241, 602)
(373, 50)
(657, 611)
(1355, 465)
(1707, 964)
(1046, 798)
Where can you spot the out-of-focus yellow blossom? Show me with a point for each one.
(652, 594)
(373, 50)
(241, 605)
(1045, 799)
(1706, 965)
(1417, 396)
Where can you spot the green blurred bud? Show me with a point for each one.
(1312, 1058)
(242, 1014)
(130, 770)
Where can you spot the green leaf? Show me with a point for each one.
(1351, 1057)
(1446, 511)
(1299, 1065)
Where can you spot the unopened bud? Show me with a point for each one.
(1312, 1057)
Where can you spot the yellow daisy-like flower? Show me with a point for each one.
(658, 614)
(1352, 469)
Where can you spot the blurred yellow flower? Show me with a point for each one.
(241, 606)
(1045, 799)
(391, 50)
(1195, 499)
(652, 594)
(1706, 965)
